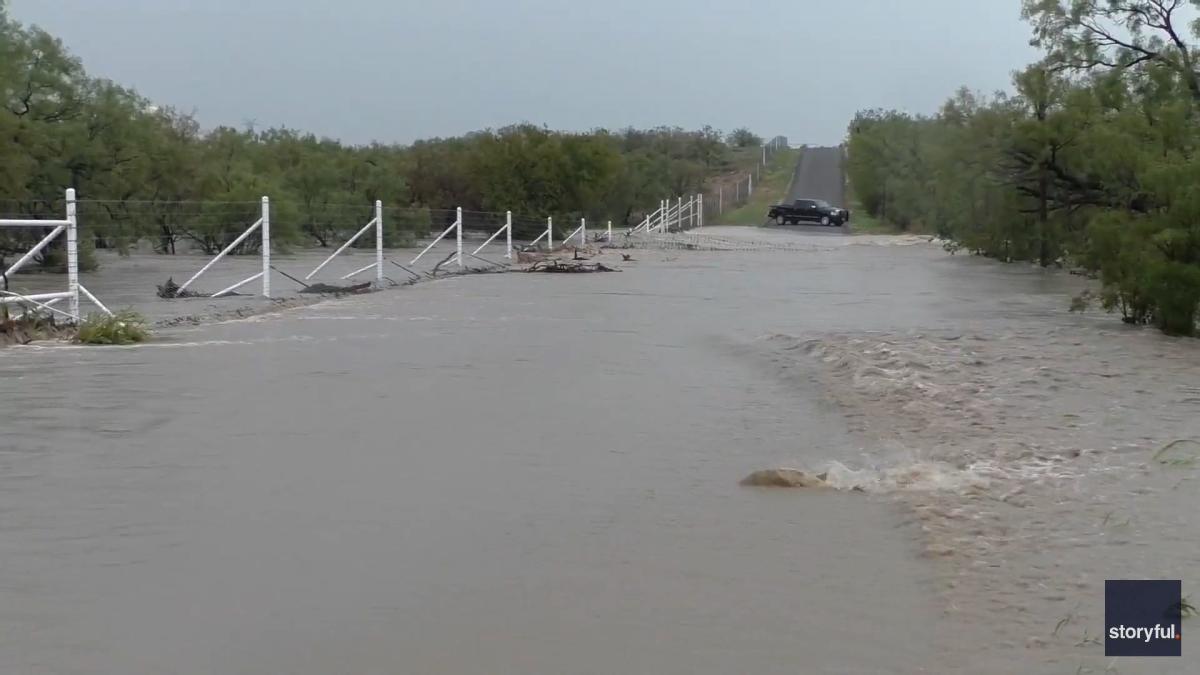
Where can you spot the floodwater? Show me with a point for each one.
(539, 474)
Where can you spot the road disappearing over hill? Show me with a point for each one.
(819, 176)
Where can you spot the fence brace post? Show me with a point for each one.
(508, 228)
(266, 246)
(379, 243)
(73, 254)
(550, 232)
(583, 230)
(459, 238)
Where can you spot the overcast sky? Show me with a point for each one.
(398, 70)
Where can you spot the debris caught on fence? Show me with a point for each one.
(438, 267)
(329, 289)
(171, 290)
(568, 267)
(526, 257)
(23, 329)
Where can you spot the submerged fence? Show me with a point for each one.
(68, 227)
(261, 229)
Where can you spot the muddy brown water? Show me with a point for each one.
(539, 474)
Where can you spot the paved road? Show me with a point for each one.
(819, 176)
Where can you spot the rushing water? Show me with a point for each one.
(539, 474)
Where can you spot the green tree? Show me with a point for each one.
(744, 138)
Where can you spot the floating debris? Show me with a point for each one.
(568, 267)
(171, 290)
(786, 478)
(329, 289)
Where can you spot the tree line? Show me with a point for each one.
(1091, 161)
(151, 173)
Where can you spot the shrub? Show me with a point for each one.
(126, 327)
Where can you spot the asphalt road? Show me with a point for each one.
(818, 176)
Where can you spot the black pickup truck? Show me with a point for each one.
(809, 211)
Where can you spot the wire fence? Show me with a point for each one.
(177, 227)
(733, 191)
(335, 234)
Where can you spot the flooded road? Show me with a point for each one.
(539, 474)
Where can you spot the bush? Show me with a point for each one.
(126, 327)
(1176, 289)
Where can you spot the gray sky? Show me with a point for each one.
(398, 70)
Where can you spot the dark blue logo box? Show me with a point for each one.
(1142, 618)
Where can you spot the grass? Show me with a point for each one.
(126, 327)
(745, 159)
(862, 222)
(773, 187)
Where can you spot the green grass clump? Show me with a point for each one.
(126, 327)
(862, 222)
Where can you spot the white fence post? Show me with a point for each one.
(550, 232)
(678, 213)
(609, 238)
(459, 240)
(379, 242)
(750, 189)
(266, 247)
(69, 224)
(508, 228)
(700, 217)
(583, 230)
(73, 254)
